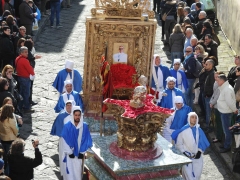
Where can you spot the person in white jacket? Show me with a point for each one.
(226, 105)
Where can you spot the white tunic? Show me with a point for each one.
(180, 82)
(186, 142)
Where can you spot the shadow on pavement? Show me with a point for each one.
(57, 38)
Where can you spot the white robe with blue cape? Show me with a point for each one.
(181, 82)
(176, 121)
(57, 128)
(61, 77)
(191, 140)
(168, 101)
(74, 140)
(75, 96)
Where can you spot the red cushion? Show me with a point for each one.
(122, 76)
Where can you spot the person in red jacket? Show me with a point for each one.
(25, 73)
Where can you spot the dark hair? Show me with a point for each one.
(209, 36)
(223, 77)
(187, 20)
(3, 83)
(6, 100)
(20, 41)
(7, 112)
(76, 111)
(7, 0)
(211, 58)
(17, 147)
(9, 19)
(207, 24)
(4, 28)
(28, 43)
(219, 72)
(199, 5)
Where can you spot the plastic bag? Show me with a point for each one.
(38, 17)
(35, 25)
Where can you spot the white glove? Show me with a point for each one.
(32, 77)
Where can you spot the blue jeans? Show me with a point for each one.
(176, 55)
(207, 108)
(24, 90)
(6, 147)
(226, 120)
(55, 8)
(189, 93)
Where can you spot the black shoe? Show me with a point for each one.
(221, 146)
(33, 103)
(223, 150)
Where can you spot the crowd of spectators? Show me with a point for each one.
(190, 36)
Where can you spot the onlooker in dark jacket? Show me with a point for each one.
(7, 54)
(232, 73)
(21, 34)
(16, 7)
(26, 16)
(189, 65)
(21, 167)
(176, 43)
(4, 85)
(187, 13)
(206, 82)
(8, 6)
(12, 25)
(198, 10)
(180, 15)
(5, 15)
(171, 11)
(211, 46)
(207, 29)
(202, 17)
(237, 81)
(29, 44)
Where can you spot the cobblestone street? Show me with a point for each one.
(55, 46)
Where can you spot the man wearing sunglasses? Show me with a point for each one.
(189, 67)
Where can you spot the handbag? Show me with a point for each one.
(164, 16)
(238, 96)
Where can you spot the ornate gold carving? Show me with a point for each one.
(126, 9)
(139, 36)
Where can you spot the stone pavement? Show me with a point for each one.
(56, 45)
